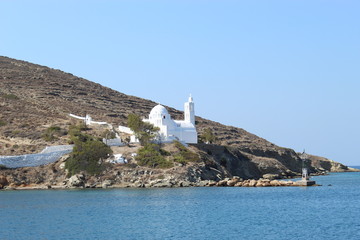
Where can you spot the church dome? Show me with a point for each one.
(158, 111)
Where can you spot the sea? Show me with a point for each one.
(330, 211)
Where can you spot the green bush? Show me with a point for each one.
(179, 146)
(107, 134)
(88, 155)
(184, 155)
(180, 159)
(52, 133)
(145, 132)
(150, 155)
(163, 152)
(75, 132)
(208, 136)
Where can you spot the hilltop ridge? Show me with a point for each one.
(47, 95)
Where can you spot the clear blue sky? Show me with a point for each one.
(288, 71)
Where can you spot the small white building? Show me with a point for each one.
(88, 120)
(170, 130)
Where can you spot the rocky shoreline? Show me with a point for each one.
(54, 176)
(78, 182)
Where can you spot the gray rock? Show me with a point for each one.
(252, 183)
(212, 183)
(164, 183)
(78, 180)
(184, 184)
(232, 182)
(222, 183)
(106, 184)
(203, 183)
(271, 176)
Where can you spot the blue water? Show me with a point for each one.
(326, 212)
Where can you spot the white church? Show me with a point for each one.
(170, 130)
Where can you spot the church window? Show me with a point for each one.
(164, 117)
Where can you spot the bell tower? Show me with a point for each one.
(189, 111)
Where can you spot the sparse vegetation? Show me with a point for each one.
(15, 132)
(2, 123)
(53, 133)
(145, 132)
(75, 132)
(88, 155)
(184, 155)
(107, 134)
(10, 96)
(150, 155)
(208, 136)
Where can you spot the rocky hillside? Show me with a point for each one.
(34, 97)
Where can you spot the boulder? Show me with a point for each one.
(222, 183)
(78, 180)
(259, 184)
(286, 183)
(163, 184)
(93, 185)
(62, 165)
(3, 181)
(212, 183)
(252, 183)
(203, 183)
(237, 177)
(238, 184)
(266, 184)
(275, 183)
(139, 185)
(232, 182)
(263, 183)
(184, 184)
(106, 184)
(290, 183)
(271, 176)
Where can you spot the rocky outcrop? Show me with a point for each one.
(237, 182)
(322, 164)
(271, 176)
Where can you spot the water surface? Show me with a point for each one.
(326, 212)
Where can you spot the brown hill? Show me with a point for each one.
(34, 97)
